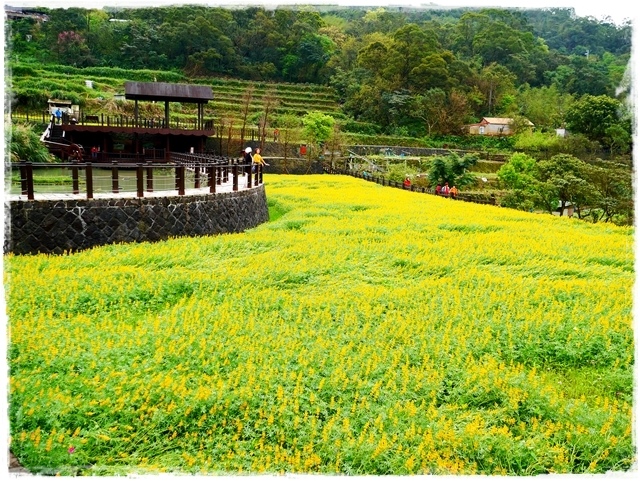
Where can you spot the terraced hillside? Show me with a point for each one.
(32, 84)
(290, 98)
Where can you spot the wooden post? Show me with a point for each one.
(23, 177)
(249, 178)
(149, 176)
(235, 178)
(29, 172)
(115, 188)
(89, 174)
(259, 175)
(181, 180)
(74, 178)
(197, 177)
(140, 180)
(212, 171)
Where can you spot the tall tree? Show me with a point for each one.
(245, 107)
(269, 103)
(593, 115)
(568, 177)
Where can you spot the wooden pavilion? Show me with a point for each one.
(127, 136)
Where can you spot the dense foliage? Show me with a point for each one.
(365, 330)
(597, 190)
(25, 145)
(408, 72)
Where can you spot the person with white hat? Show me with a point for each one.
(248, 159)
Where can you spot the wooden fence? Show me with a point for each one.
(413, 188)
(207, 171)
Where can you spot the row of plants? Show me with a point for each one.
(115, 78)
(297, 99)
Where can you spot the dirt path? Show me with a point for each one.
(14, 465)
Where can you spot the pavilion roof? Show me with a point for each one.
(162, 91)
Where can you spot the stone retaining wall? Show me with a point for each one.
(55, 227)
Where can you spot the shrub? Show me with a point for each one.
(25, 145)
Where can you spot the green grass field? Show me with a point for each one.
(363, 330)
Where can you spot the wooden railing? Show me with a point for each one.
(115, 120)
(206, 172)
(378, 179)
(218, 131)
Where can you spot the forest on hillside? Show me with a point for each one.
(396, 71)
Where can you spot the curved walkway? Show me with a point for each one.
(243, 184)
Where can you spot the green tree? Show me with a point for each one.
(518, 176)
(617, 138)
(441, 112)
(518, 172)
(72, 49)
(545, 106)
(317, 128)
(593, 115)
(430, 107)
(493, 81)
(289, 126)
(269, 103)
(410, 47)
(453, 169)
(567, 175)
(613, 192)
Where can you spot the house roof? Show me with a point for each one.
(162, 91)
(501, 120)
(59, 102)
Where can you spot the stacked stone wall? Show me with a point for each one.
(56, 227)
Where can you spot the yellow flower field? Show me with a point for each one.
(364, 330)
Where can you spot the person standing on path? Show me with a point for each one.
(248, 160)
(258, 160)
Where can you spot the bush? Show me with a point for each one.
(25, 145)
(360, 127)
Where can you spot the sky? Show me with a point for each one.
(617, 10)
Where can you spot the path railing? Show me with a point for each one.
(206, 173)
(378, 179)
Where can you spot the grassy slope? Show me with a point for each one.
(365, 330)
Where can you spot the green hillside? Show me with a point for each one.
(32, 85)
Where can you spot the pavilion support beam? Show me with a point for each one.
(166, 114)
(135, 112)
